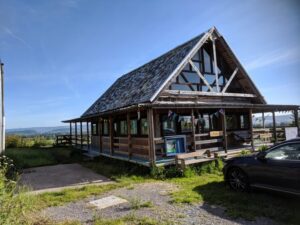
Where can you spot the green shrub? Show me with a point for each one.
(245, 153)
(13, 141)
(213, 167)
(263, 148)
(172, 171)
(15, 204)
(189, 172)
(158, 172)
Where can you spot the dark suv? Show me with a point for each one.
(277, 168)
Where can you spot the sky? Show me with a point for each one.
(59, 56)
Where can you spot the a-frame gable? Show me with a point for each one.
(196, 75)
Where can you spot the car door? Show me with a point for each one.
(280, 168)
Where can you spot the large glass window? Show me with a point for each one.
(133, 127)
(123, 127)
(94, 129)
(185, 124)
(144, 126)
(244, 121)
(168, 126)
(232, 122)
(207, 62)
(105, 127)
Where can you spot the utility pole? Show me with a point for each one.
(2, 115)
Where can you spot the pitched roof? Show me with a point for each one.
(139, 85)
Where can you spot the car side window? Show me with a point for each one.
(286, 152)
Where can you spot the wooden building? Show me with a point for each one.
(194, 98)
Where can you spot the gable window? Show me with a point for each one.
(133, 127)
(105, 127)
(207, 62)
(94, 129)
(144, 126)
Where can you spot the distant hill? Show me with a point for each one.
(33, 131)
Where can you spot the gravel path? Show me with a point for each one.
(158, 194)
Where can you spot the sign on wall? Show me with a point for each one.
(291, 132)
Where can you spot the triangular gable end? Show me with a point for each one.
(196, 74)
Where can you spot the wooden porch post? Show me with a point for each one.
(81, 143)
(71, 139)
(111, 135)
(151, 143)
(297, 120)
(88, 134)
(251, 129)
(274, 127)
(224, 128)
(263, 120)
(75, 134)
(100, 134)
(193, 131)
(129, 135)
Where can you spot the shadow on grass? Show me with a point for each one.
(117, 169)
(250, 205)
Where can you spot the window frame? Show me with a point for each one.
(94, 129)
(104, 123)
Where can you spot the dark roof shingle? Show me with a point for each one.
(139, 85)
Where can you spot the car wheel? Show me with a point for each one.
(237, 179)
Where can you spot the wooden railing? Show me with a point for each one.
(68, 140)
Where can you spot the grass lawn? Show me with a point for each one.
(210, 188)
(33, 157)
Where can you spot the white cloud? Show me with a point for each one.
(278, 57)
(13, 35)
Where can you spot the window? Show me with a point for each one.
(185, 124)
(105, 127)
(115, 127)
(231, 122)
(168, 126)
(123, 127)
(204, 123)
(286, 152)
(144, 126)
(180, 87)
(133, 127)
(244, 121)
(94, 129)
(207, 62)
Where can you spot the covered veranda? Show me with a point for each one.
(88, 137)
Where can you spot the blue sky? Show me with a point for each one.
(61, 55)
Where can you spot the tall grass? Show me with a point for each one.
(14, 203)
(33, 157)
